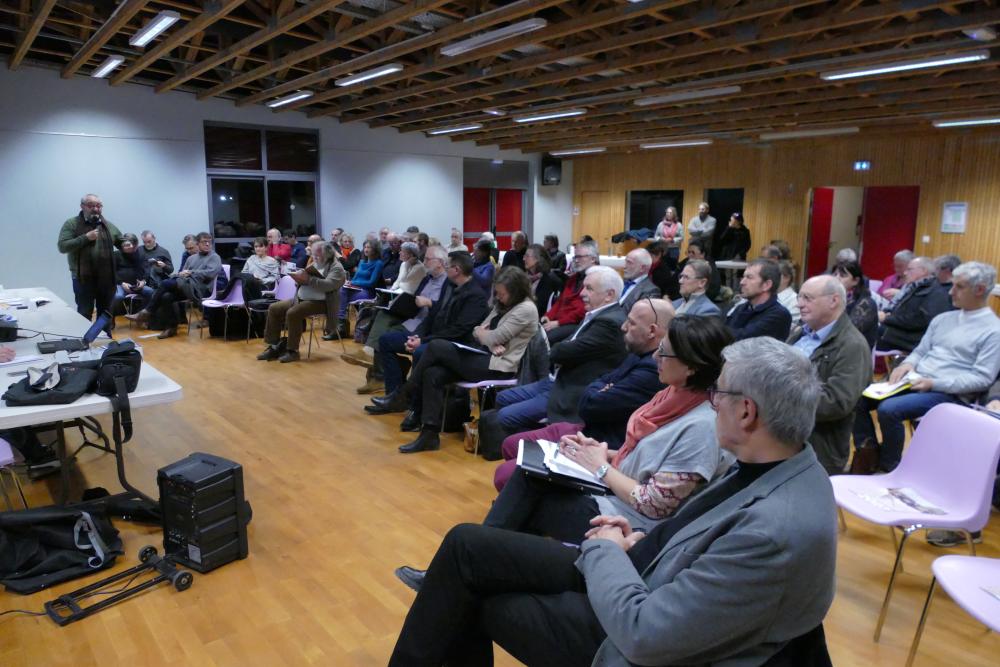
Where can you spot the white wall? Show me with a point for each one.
(554, 207)
(144, 155)
(847, 205)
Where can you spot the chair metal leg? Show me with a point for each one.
(968, 540)
(336, 330)
(920, 626)
(895, 543)
(909, 530)
(842, 521)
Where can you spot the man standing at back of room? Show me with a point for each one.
(89, 240)
(702, 228)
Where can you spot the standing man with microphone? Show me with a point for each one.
(89, 242)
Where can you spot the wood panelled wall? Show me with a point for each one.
(952, 165)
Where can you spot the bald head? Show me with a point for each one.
(822, 299)
(646, 325)
(637, 264)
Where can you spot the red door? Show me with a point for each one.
(888, 225)
(820, 219)
(475, 214)
(509, 215)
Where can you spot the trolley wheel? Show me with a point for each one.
(146, 553)
(183, 581)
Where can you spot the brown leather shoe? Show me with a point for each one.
(141, 316)
(371, 387)
(358, 358)
(168, 333)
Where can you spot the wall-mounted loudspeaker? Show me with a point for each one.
(551, 170)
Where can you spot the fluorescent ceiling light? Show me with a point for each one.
(797, 134)
(550, 115)
(370, 74)
(982, 34)
(160, 22)
(676, 144)
(687, 95)
(906, 65)
(577, 151)
(288, 99)
(107, 66)
(456, 128)
(967, 122)
(495, 112)
(492, 37)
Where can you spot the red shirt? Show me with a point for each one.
(569, 308)
(281, 251)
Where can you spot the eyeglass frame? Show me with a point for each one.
(714, 391)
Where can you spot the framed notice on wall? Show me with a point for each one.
(954, 216)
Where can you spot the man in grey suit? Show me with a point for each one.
(637, 282)
(743, 568)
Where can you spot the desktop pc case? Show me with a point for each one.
(205, 515)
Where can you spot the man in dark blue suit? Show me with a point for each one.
(607, 403)
(760, 314)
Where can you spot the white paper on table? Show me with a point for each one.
(21, 360)
(470, 349)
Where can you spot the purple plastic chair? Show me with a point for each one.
(284, 289)
(952, 473)
(964, 578)
(233, 300)
(6, 461)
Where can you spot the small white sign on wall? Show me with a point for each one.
(954, 216)
(576, 210)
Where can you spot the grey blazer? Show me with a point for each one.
(730, 588)
(646, 288)
(700, 305)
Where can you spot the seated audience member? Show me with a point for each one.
(760, 314)
(771, 252)
(734, 244)
(943, 268)
(515, 256)
(457, 241)
(544, 283)
(594, 348)
(318, 290)
(661, 272)
(422, 241)
(190, 246)
(958, 358)
(637, 282)
(195, 281)
(504, 334)
(843, 363)
(130, 271)
(483, 266)
(845, 255)
(276, 247)
(670, 449)
(694, 279)
(383, 237)
(351, 255)
(914, 306)
(567, 311)
(671, 232)
(783, 248)
(761, 539)
(557, 258)
(494, 252)
(366, 278)
(892, 284)
(696, 250)
(299, 256)
(786, 292)
(391, 260)
(607, 402)
(335, 237)
(453, 318)
(411, 270)
(155, 258)
(260, 272)
(860, 306)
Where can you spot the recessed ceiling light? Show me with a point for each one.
(492, 37)
(967, 122)
(107, 66)
(457, 128)
(982, 34)
(676, 144)
(907, 65)
(797, 134)
(683, 96)
(495, 112)
(370, 74)
(149, 32)
(577, 151)
(549, 115)
(288, 99)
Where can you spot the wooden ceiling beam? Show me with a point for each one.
(175, 39)
(282, 25)
(335, 41)
(35, 24)
(118, 20)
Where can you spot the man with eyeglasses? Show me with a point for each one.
(567, 311)
(88, 240)
(741, 574)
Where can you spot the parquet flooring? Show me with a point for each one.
(336, 509)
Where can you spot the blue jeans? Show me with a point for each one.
(523, 408)
(892, 412)
(145, 294)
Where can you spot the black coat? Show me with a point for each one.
(609, 401)
(548, 286)
(734, 243)
(906, 324)
(455, 314)
(769, 319)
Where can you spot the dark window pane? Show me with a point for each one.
(232, 148)
(292, 151)
(237, 207)
(646, 207)
(292, 205)
(226, 249)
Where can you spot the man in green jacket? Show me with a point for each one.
(89, 240)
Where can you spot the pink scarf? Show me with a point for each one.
(666, 406)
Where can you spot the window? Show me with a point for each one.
(645, 208)
(259, 178)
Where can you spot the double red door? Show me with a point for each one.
(496, 210)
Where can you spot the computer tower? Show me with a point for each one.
(205, 515)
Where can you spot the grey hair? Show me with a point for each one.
(643, 257)
(327, 251)
(977, 273)
(702, 269)
(147, 232)
(947, 262)
(780, 381)
(607, 279)
(347, 235)
(904, 255)
(833, 286)
(592, 247)
(411, 247)
(436, 252)
(87, 196)
(846, 255)
(487, 235)
(925, 263)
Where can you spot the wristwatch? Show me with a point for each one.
(602, 471)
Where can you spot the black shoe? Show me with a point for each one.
(397, 401)
(288, 356)
(344, 330)
(411, 422)
(270, 354)
(330, 336)
(381, 401)
(427, 441)
(412, 577)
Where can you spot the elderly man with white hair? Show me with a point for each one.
(637, 283)
(840, 355)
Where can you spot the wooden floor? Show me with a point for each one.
(336, 509)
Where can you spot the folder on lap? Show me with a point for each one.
(531, 459)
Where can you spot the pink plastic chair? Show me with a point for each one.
(963, 578)
(284, 289)
(6, 461)
(953, 473)
(233, 300)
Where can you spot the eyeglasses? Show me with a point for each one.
(578, 257)
(91, 205)
(714, 392)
